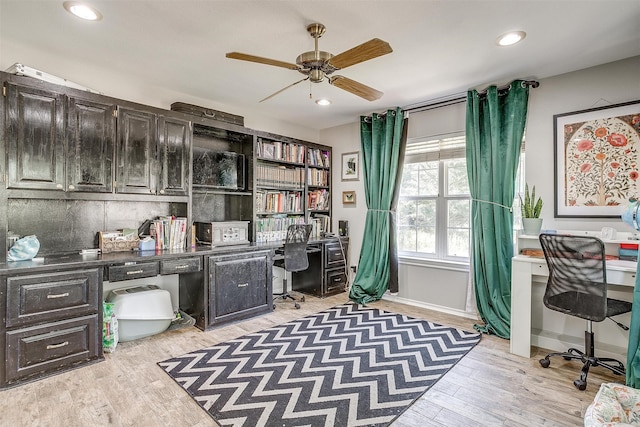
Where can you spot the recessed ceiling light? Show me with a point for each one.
(82, 10)
(323, 102)
(511, 38)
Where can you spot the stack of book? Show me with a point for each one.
(169, 232)
(628, 251)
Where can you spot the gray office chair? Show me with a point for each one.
(577, 286)
(293, 257)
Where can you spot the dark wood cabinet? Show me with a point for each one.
(136, 152)
(35, 123)
(327, 273)
(91, 134)
(239, 286)
(174, 156)
(52, 323)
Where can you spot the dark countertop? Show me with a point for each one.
(75, 259)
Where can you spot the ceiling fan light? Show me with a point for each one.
(323, 102)
(511, 38)
(82, 10)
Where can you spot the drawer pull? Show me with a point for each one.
(337, 279)
(66, 294)
(129, 273)
(52, 346)
(243, 285)
(181, 267)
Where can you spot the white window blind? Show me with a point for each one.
(421, 150)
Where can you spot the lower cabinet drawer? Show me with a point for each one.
(51, 347)
(116, 273)
(335, 254)
(335, 281)
(181, 265)
(37, 298)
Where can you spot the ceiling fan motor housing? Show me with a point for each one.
(315, 66)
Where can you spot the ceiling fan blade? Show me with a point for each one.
(284, 88)
(261, 60)
(356, 88)
(368, 50)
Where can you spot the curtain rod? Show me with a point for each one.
(459, 98)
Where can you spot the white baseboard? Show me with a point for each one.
(561, 342)
(421, 304)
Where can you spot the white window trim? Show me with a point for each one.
(432, 147)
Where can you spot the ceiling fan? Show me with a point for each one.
(317, 64)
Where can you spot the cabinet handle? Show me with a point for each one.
(52, 346)
(337, 279)
(66, 294)
(181, 267)
(129, 273)
(243, 285)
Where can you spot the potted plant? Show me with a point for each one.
(531, 208)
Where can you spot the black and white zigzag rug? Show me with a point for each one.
(349, 365)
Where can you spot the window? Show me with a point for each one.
(434, 206)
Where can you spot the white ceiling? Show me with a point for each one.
(440, 48)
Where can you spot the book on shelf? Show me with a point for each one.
(170, 232)
(279, 176)
(273, 229)
(282, 151)
(278, 201)
(319, 225)
(318, 158)
(318, 199)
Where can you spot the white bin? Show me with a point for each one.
(141, 311)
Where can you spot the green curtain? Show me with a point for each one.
(633, 352)
(495, 124)
(383, 139)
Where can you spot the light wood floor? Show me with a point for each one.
(488, 387)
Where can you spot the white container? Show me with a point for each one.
(141, 311)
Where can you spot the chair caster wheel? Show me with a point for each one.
(566, 357)
(580, 385)
(302, 299)
(297, 306)
(274, 306)
(545, 363)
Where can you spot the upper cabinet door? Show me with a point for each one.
(91, 134)
(35, 138)
(174, 147)
(136, 152)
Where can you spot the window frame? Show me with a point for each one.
(441, 199)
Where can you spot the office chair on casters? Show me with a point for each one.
(577, 286)
(293, 257)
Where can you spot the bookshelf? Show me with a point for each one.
(292, 186)
(318, 184)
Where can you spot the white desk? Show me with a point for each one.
(523, 270)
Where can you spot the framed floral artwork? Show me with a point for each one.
(596, 160)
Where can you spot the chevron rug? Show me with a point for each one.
(349, 365)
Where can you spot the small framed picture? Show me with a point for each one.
(349, 197)
(351, 166)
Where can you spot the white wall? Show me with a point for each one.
(599, 86)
